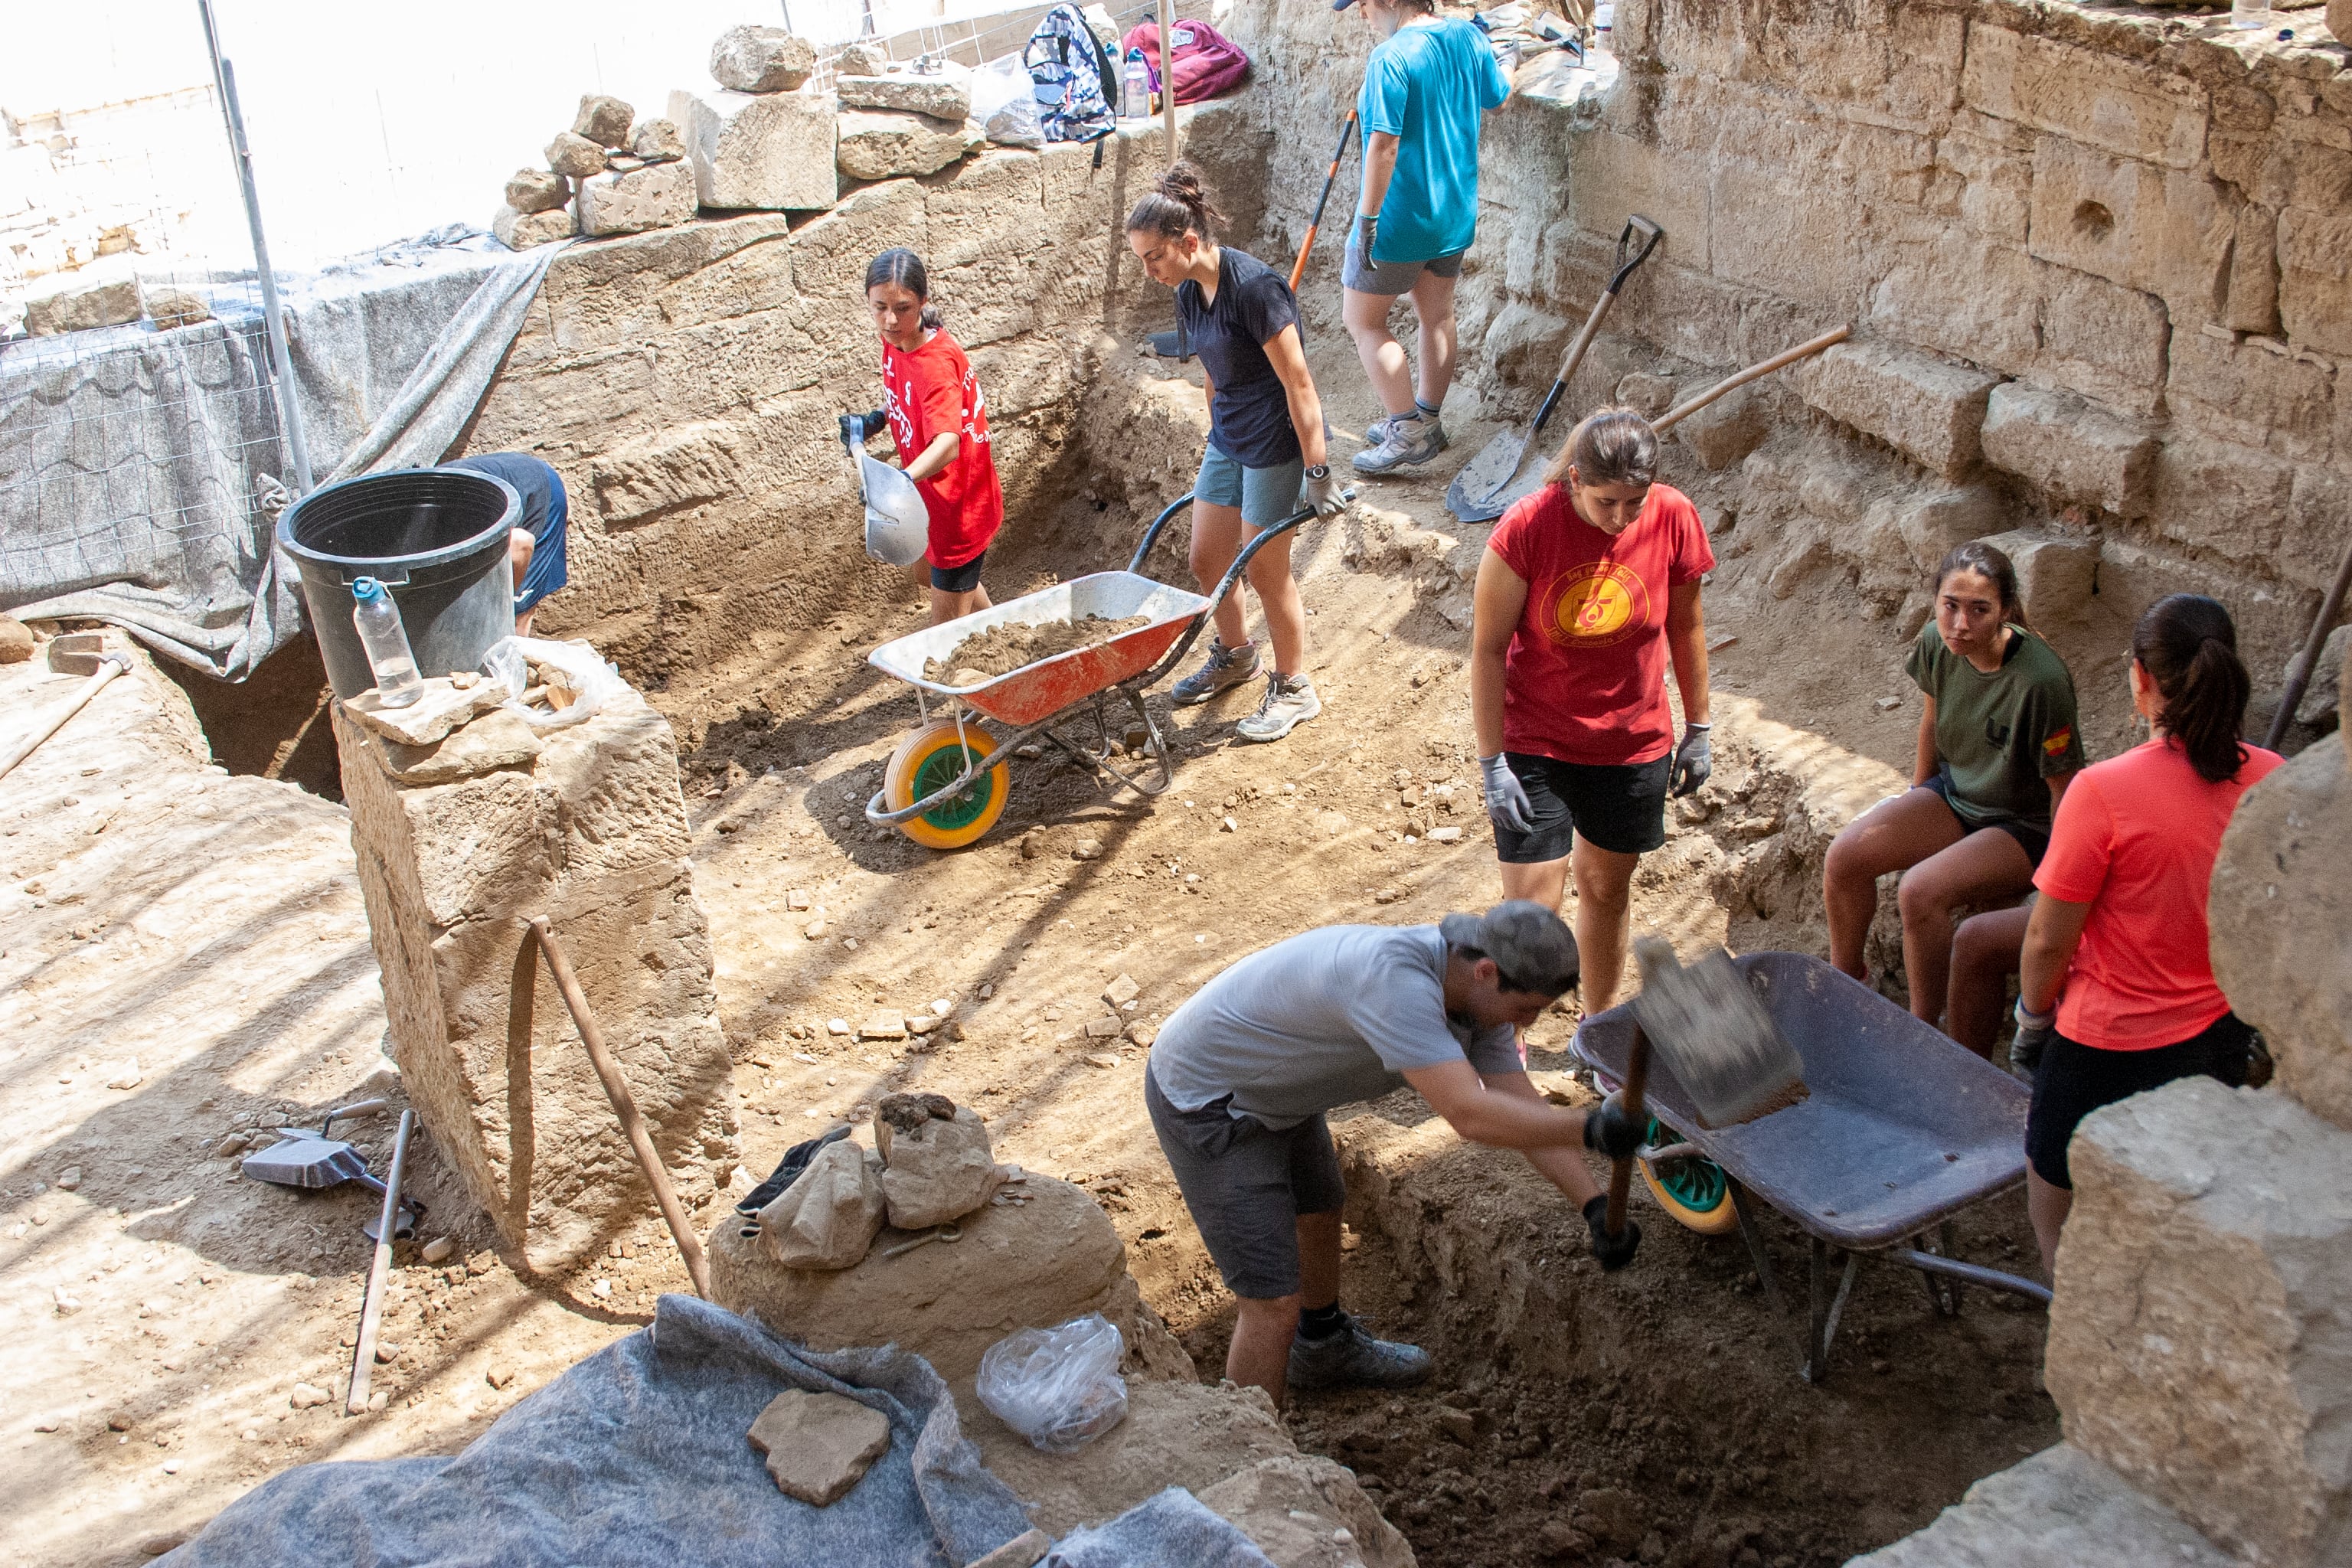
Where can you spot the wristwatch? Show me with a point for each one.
(1319, 471)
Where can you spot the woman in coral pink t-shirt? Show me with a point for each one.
(2118, 975)
(1586, 589)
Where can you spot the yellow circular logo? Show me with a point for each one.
(1597, 604)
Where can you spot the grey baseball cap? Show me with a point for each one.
(1529, 943)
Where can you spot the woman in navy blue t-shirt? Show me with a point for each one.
(1265, 451)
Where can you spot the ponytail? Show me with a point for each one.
(1178, 205)
(2189, 648)
(1608, 446)
(1985, 561)
(903, 268)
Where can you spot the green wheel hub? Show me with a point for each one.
(940, 770)
(1698, 1184)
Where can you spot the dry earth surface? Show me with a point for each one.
(162, 1312)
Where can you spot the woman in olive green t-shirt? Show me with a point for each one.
(1998, 743)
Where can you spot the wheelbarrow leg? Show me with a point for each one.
(1744, 1206)
(1943, 1291)
(1827, 1305)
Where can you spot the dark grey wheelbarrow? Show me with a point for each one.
(1902, 1129)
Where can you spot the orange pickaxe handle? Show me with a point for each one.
(1298, 268)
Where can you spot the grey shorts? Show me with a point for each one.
(1246, 1184)
(1365, 275)
(1265, 496)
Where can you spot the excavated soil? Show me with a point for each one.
(1001, 650)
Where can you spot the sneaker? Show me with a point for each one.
(1353, 1359)
(1289, 703)
(1407, 439)
(1225, 668)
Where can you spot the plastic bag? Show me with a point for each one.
(1059, 1387)
(576, 666)
(1018, 121)
(998, 82)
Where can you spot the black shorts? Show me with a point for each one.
(2033, 838)
(1246, 1184)
(1621, 809)
(960, 579)
(2076, 1079)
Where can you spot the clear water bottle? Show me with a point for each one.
(2250, 14)
(1135, 97)
(377, 617)
(1604, 25)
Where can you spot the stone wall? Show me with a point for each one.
(2098, 264)
(685, 384)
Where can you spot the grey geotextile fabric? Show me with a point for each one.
(1174, 1530)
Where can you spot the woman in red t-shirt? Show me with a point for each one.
(1588, 587)
(2118, 977)
(940, 422)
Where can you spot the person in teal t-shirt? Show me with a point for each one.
(1426, 85)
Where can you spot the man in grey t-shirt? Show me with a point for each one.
(1243, 1072)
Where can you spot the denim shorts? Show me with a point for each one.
(1265, 496)
(1365, 275)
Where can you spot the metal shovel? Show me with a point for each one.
(1489, 482)
(314, 1162)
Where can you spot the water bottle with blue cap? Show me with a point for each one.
(397, 683)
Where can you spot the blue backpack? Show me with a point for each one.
(1074, 79)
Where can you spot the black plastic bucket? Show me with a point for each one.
(436, 540)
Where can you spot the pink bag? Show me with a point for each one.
(1207, 62)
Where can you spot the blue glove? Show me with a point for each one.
(1694, 760)
(1506, 797)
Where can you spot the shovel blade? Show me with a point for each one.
(1489, 482)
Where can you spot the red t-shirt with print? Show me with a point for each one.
(1585, 677)
(928, 392)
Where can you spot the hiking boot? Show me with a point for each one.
(1289, 702)
(1353, 1359)
(1408, 440)
(1225, 668)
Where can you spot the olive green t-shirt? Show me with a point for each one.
(1999, 736)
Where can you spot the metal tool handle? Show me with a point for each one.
(379, 1271)
(1633, 1093)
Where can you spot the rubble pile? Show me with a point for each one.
(610, 174)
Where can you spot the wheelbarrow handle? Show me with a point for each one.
(1265, 537)
(1151, 535)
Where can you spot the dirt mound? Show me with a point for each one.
(1001, 650)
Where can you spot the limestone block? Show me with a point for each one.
(2251, 392)
(827, 1218)
(2339, 19)
(2231, 499)
(170, 307)
(1931, 523)
(1295, 1506)
(862, 59)
(107, 302)
(1926, 408)
(878, 144)
(937, 1171)
(590, 832)
(537, 190)
(2071, 449)
(761, 59)
(2102, 100)
(2253, 302)
(2198, 1339)
(603, 120)
(659, 195)
(2101, 339)
(1958, 295)
(2166, 232)
(496, 740)
(2061, 1509)
(767, 151)
(1024, 1266)
(2321, 699)
(2281, 915)
(521, 230)
(2055, 575)
(668, 469)
(2315, 279)
(946, 95)
(1523, 346)
(1727, 430)
(819, 1444)
(658, 140)
(573, 154)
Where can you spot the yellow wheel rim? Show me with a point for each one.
(1712, 1221)
(930, 758)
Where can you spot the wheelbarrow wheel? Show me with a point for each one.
(1694, 1190)
(930, 758)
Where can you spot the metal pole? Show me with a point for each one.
(289, 408)
(1168, 76)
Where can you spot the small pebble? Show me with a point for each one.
(437, 1250)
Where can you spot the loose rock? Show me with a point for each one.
(658, 140)
(884, 1026)
(437, 1250)
(168, 307)
(819, 1444)
(575, 155)
(16, 640)
(1122, 991)
(657, 196)
(862, 59)
(305, 1396)
(937, 1172)
(537, 190)
(772, 152)
(761, 59)
(828, 1217)
(603, 120)
(944, 96)
(881, 144)
(110, 302)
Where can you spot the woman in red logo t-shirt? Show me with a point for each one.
(939, 423)
(1586, 588)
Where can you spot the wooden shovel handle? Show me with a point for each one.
(1635, 1093)
(1675, 416)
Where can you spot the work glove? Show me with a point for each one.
(1612, 1251)
(1608, 1130)
(856, 429)
(1506, 797)
(2033, 1032)
(1367, 226)
(1322, 492)
(1694, 760)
